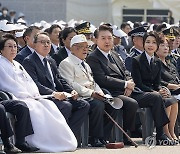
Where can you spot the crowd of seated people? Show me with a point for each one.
(57, 81)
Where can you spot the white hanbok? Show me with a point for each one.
(51, 132)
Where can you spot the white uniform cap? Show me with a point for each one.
(118, 32)
(78, 39)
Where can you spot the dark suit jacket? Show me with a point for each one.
(23, 54)
(36, 70)
(169, 74)
(145, 78)
(105, 73)
(128, 60)
(60, 55)
(52, 52)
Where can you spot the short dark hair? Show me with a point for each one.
(29, 30)
(104, 28)
(36, 36)
(65, 32)
(123, 25)
(153, 34)
(53, 27)
(5, 38)
(160, 27)
(96, 33)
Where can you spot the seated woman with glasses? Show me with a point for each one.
(51, 132)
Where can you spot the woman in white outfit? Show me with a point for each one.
(51, 132)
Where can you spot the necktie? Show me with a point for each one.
(110, 58)
(83, 65)
(151, 63)
(47, 70)
(57, 49)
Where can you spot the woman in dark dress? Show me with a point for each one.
(146, 73)
(169, 75)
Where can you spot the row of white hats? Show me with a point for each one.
(6, 27)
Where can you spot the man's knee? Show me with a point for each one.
(66, 109)
(97, 105)
(85, 105)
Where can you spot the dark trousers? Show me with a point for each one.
(129, 108)
(75, 112)
(108, 124)
(23, 125)
(64, 106)
(154, 101)
(100, 125)
(96, 113)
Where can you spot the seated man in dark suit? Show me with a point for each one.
(28, 38)
(23, 126)
(48, 80)
(65, 37)
(109, 72)
(54, 31)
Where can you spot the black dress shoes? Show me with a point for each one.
(165, 141)
(104, 142)
(25, 147)
(95, 142)
(137, 133)
(11, 149)
(128, 143)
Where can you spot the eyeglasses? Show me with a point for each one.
(45, 42)
(82, 47)
(11, 46)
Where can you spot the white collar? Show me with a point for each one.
(55, 47)
(68, 51)
(41, 57)
(149, 57)
(104, 53)
(140, 51)
(76, 59)
(32, 50)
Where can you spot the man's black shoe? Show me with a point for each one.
(103, 141)
(165, 141)
(128, 143)
(95, 142)
(137, 133)
(11, 149)
(25, 147)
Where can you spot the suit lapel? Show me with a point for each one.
(107, 63)
(119, 63)
(145, 61)
(41, 66)
(64, 53)
(28, 52)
